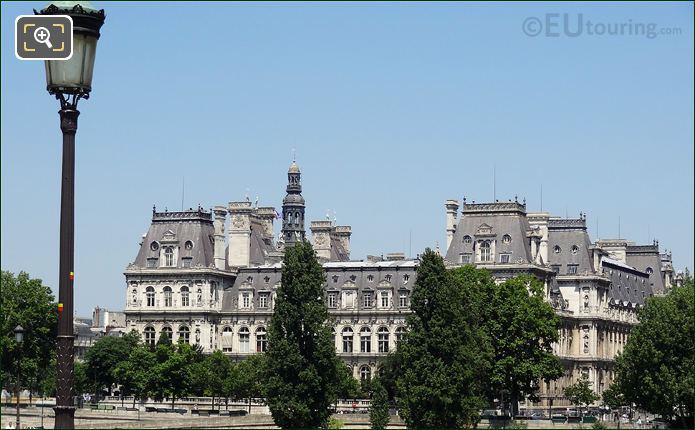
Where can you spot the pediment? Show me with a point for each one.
(169, 236)
(484, 228)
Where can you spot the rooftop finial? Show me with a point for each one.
(294, 155)
(516, 199)
(328, 214)
(256, 203)
(247, 195)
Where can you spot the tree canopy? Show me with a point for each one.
(29, 303)
(522, 329)
(444, 355)
(301, 363)
(656, 370)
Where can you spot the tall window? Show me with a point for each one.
(572, 269)
(184, 334)
(167, 296)
(244, 339)
(485, 254)
(365, 373)
(347, 339)
(245, 300)
(384, 299)
(367, 299)
(402, 299)
(263, 300)
(168, 332)
(365, 340)
(149, 293)
(169, 256)
(332, 300)
(400, 332)
(383, 339)
(261, 339)
(185, 298)
(227, 339)
(149, 336)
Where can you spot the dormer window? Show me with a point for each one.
(574, 250)
(506, 239)
(388, 278)
(154, 246)
(649, 270)
(169, 257)
(187, 262)
(406, 278)
(557, 249)
(370, 278)
(467, 240)
(188, 245)
(335, 279)
(485, 252)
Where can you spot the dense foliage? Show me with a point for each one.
(580, 393)
(379, 409)
(445, 356)
(29, 303)
(301, 368)
(522, 329)
(656, 370)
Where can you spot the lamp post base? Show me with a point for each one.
(65, 417)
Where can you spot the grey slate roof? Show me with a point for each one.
(572, 240)
(644, 257)
(192, 225)
(628, 285)
(504, 218)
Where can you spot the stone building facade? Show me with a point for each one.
(203, 280)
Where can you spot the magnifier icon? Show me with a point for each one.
(42, 35)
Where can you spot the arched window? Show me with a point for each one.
(167, 296)
(261, 339)
(227, 339)
(400, 332)
(168, 332)
(244, 339)
(135, 296)
(365, 373)
(184, 334)
(347, 339)
(485, 254)
(184, 296)
(366, 339)
(149, 336)
(383, 339)
(467, 240)
(149, 293)
(169, 256)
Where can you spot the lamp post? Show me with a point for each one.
(69, 81)
(19, 338)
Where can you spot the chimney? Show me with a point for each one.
(267, 216)
(343, 233)
(321, 238)
(452, 207)
(239, 254)
(220, 215)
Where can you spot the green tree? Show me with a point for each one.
(29, 303)
(209, 375)
(134, 373)
(174, 374)
(612, 397)
(105, 355)
(523, 329)
(379, 408)
(580, 393)
(444, 356)
(656, 370)
(390, 370)
(302, 366)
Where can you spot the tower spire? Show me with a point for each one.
(293, 207)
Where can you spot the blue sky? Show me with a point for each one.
(392, 109)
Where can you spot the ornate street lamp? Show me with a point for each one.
(69, 81)
(19, 338)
